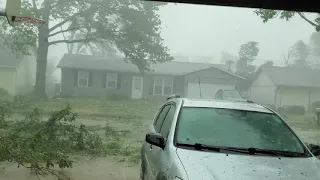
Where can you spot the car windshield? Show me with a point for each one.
(235, 128)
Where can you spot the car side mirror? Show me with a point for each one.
(155, 139)
(315, 149)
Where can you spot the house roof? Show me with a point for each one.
(119, 65)
(8, 59)
(294, 77)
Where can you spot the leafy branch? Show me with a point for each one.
(41, 145)
(267, 15)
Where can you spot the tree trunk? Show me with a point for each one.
(42, 55)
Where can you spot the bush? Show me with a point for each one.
(293, 109)
(3, 93)
(315, 105)
(18, 102)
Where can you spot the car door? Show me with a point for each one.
(160, 157)
(147, 154)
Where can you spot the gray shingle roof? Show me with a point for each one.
(8, 59)
(119, 65)
(294, 77)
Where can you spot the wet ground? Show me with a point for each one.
(96, 169)
(107, 168)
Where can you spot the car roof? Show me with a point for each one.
(223, 104)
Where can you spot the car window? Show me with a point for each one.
(168, 122)
(160, 118)
(235, 128)
(218, 95)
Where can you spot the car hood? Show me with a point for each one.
(220, 166)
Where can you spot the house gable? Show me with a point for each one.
(213, 75)
(263, 80)
(263, 89)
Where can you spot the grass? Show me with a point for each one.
(307, 121)
(121, 123)
(101, 108)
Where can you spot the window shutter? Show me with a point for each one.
(75, 73)
(118, 81)
(104, 80)
(90, 79)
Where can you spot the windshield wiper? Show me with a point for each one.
(275, 152)
(199, 146)
(251, 151)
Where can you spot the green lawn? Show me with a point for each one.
(125, 120)
(130, 118)
(104, 108)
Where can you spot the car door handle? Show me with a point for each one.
(150, 147)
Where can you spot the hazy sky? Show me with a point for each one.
(208, 30)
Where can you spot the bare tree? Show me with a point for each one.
(287, 57)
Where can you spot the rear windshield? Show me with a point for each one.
(235, 128)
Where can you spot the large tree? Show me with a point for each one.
(247, 54)
(267, 15)
(133, 27)
(314, 47)
(300, 53)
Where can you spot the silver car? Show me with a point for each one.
(228, 94)
(220, 140)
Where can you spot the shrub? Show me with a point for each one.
(3, 93)
(18, 102)
(315, 105)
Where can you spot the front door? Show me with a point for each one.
(137, 87)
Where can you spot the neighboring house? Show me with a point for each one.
(17, 75)
(86, 75)
(281, 86)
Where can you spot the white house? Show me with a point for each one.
(17, 75)
(280, 86)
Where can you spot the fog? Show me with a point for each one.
(88, 106)
(209, 30)
(198, 30)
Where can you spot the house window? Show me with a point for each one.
(162, 85)
(112, 80)
(83, 79)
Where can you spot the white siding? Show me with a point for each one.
(263, 90)
(26, 75)
(293, 96)
(208, 90)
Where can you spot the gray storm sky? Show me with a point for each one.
(208, 30)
